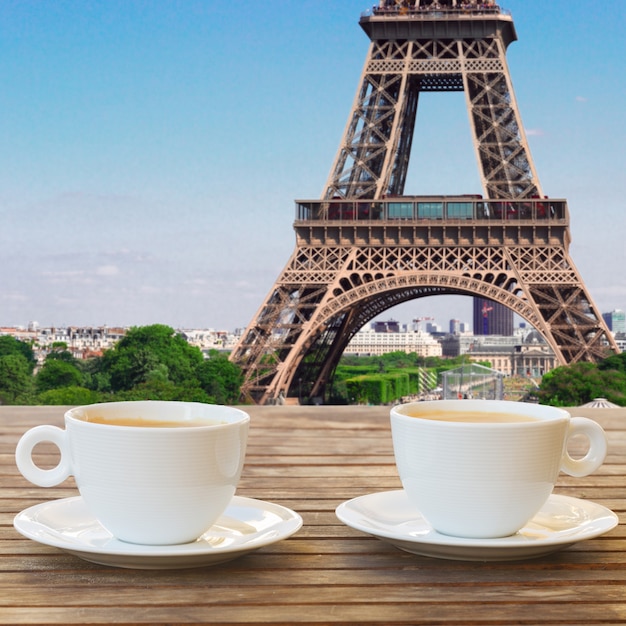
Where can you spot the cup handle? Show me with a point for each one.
(597, 447)
(24, 458)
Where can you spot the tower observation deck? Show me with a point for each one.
(364, 246)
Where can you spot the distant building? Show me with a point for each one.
(85, 342)
(457, 327)
(523, 354)
(534, 357)
(530, 357)
(433, 328)
(615, 320)
(620, 339)
(492, 318)
(369, 342)
(457, 345)
(390, 326)
(210, 339)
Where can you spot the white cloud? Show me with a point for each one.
(107, 270)
(149, 289)
(14, 297)
(67, 276)
(196, 282)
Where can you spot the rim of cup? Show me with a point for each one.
(227, 415)
(537, 413)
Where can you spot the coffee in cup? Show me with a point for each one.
(484, 468)
(151, 472)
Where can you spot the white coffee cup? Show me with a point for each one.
(164, 482)
(486, 479)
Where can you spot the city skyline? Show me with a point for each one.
(425, 323)
(152, 153)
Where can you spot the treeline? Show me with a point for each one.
(156, 363)
(579, 383)
(148, 363)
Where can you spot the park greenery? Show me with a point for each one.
(387, 378)
(148, 363)
(400, 375)
(156, 363)
(579, 383)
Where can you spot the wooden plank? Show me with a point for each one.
(416, 613)
(576, 594)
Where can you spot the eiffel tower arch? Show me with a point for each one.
(364, 247)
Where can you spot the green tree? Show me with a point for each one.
(16, 380)
(11, 345)
(579, 383)
(146, 352)
(614, 362)
(57, 373)
(67, 396)
(220, 378)
(94, 377)
(59, 351)
(164, 390)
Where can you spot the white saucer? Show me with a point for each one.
(561, 522)
(246, 525)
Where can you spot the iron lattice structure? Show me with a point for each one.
(364, 247)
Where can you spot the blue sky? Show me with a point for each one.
(151, 151)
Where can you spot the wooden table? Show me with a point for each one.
(311, 459)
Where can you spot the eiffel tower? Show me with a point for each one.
(364, 247)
